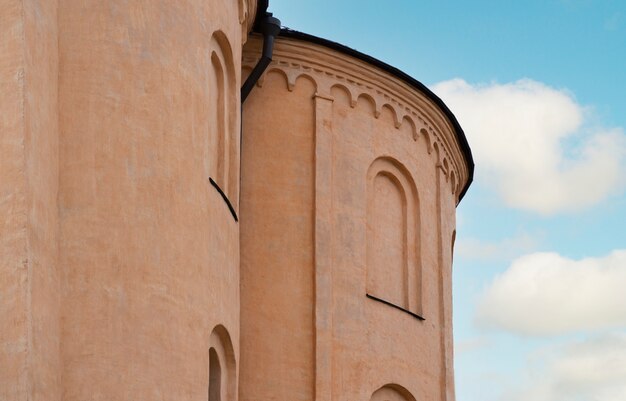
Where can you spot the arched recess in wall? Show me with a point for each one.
(452, 242)
(393, 244)
(223, 110)
(222, 366)
(392, 392)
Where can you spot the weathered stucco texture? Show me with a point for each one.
(119, 261)
(149, 249)
(350, 180)
(277, 258)
(29, 279)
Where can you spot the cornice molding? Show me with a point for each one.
(328, 68)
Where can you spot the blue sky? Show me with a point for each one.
(540, 263)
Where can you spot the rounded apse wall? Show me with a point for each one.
(350, 180)
(149, 115)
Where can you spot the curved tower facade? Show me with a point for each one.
(149, 128)
(147, 252)
(119, 159)
(351, 175)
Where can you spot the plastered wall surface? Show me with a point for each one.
(148, 253)
(277, 258)
(29, 275)
(119, 260)
(148, 247)
(364, 191)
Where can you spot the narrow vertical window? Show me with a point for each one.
(222, 366)
(393, 270)
(223, 122)
(452, 246)
(387, 276)
(216, 117)
(392, 392)
(219, 123)
(215, 376)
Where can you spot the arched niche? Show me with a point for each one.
(215, 376)
(222, 366)
(452, 243)
(393, 243)
(392, 392)
(223, 104)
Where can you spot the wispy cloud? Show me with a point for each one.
(591, 369)
(470, 345)
(548, 294)
(532, 145)
(504, 249)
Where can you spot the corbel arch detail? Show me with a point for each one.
(352, 96)
(422, 120)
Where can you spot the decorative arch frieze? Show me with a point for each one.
(394, 113)
(406, 120)
(375, 107)
(408, 106)
(349, 90)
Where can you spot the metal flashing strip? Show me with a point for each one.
(230, 205)
(460, 134)
(415, 315)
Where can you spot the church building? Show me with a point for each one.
(198, 204)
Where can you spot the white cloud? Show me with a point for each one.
(505, 249)
(471, 345)
(548, 294)
(589, 370)
(522, 134)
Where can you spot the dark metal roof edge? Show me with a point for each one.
(460, 134)
(465, 148)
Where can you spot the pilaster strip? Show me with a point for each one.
(442, 311)
(323, 250)
(444, 251)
